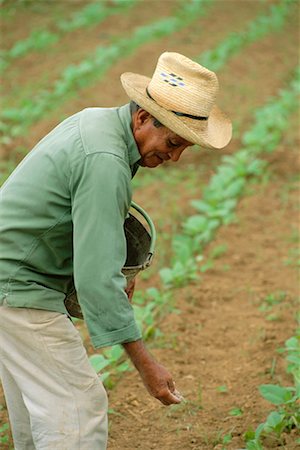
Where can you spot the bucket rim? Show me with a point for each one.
(151, 228)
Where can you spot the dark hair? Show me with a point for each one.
(134, 107)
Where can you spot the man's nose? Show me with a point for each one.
(175, 154)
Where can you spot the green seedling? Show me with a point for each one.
(295, 235)
(149, 307)
(236, 412)
(292, 349)
(294, 257)
(179, 274)
(227, 438)
(4, 433)
(273, 367)
(209, 264)
(222, 389)
(254, 444)
(284, 419)
(272, 300)
(112, 360)
(113, 412)
(273, 317)
(286, 399)
(222, 438)
(99, 362)
(218, 251)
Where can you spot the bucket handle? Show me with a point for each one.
(152, 233)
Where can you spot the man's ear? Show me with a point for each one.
(139, 118)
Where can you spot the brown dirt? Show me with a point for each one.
(23, 17)
(220, 336)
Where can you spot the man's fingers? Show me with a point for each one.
(130, 289)
(171, 385)
(178, 395)
(170, 398)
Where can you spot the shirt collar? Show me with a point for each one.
(133, 152)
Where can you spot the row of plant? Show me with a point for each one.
(216, 208)
(78, 76)
(220, 196)
(256, 29)
(285, 399)
(15, 121)
(41, 39)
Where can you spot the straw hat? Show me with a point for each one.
(181, 95)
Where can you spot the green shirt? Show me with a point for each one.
(62, 213)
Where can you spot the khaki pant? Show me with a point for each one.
(54, 398)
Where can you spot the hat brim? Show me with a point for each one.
(215, 133)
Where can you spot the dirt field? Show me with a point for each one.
(219, 345)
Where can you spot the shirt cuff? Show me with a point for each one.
(128, 334)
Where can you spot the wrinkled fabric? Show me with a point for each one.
(55, 399)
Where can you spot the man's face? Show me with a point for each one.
(156, 145)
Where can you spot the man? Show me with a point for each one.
(62, 215)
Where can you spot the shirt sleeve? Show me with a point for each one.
(101, 198)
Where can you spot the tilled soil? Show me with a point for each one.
(221, 337)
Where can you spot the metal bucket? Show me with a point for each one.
(140, 249)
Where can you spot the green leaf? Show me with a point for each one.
(123, 367)
(166, 276)
(114, 353)
(274, 419)
(195, 224)
(201, 206)
(98, 362)
(206, 266)
(254, 445)
(235, 188)
(292, 344)
(4, 427)
(275, 394)
(294, 359)
(236, 412)
(218, 251)
(223, 389)
(259, 430)
(104, 376)
(227, 438)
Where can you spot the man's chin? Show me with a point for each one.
(151, 164)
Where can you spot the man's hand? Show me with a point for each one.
(130, 289)
(160, 384)
(156, 378)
